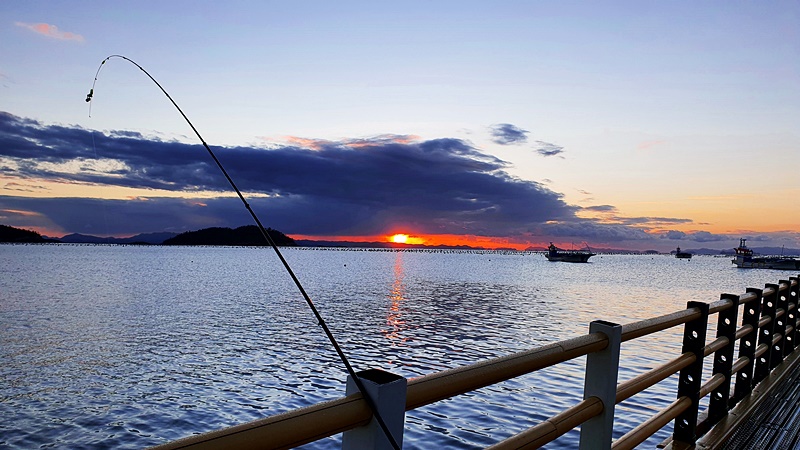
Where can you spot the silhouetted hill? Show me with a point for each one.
(144, 238)
(246, 235)
(11, 234)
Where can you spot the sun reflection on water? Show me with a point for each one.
(397, 296)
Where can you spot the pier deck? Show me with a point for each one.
(773, 422)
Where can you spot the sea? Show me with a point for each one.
(126, 347)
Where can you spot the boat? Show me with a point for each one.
(682, 255)
(745, 259)
(556, 254)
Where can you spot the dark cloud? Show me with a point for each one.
(601, 208)
(674, 235)
(548, 149)
(696, 236)
(651, 221)
(320, 187)
(507, 134)
(589, 230)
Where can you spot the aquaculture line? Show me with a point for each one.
(761, 325)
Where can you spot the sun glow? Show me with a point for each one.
(399, 238)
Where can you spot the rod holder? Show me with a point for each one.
(602, 369)
(388, 392)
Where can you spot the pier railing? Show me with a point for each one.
(760, 324)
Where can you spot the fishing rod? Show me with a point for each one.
(359, 384)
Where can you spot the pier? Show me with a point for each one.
(737, 386)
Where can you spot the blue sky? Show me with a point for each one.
(623, 124)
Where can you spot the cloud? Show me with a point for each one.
(651, 221)
(507, 134)
(601, 208)
(674, 235)
(348, 187)
(697, 236)
(588, 230)
(51, 31)
(548, 149)
(314, 187)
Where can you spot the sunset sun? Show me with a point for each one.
(399, 238)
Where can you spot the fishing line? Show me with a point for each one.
(359, 384)
(105, 204)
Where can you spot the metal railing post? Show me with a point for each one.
(689, 382)
(791, 316)
(768, 308)
(719, 403)
(747, 347)
(778, 349)
(388, 391)
(602, 369)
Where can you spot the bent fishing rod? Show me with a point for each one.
(359, 384)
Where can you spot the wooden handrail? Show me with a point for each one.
(328, 418)
(553, 428)
(641, 382)
(639, 434)
(441, 385)
(713, 383)
(649, 326)
(284, 431)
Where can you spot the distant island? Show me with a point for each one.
(248, 235)
(11, 234)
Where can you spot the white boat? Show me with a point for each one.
(556, 254)
(744, 258)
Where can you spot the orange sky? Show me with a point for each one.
(434, 240)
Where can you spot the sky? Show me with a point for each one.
(628, 125)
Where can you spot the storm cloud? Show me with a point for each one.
(359, 187)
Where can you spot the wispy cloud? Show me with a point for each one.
(696, 236)
(51, 31)
(548, 149)
(602, 208)
(507, 134)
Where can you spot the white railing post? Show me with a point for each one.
(388, 392)
(602, 369)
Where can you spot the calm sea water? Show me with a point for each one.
(128, 347)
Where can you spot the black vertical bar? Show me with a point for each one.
(791, 321)
(723, 359)
(782, 303)
(694, 339)
(747, 346)
(768, 307)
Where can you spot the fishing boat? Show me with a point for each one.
(556, 254)
(744, 258)
(682, 255)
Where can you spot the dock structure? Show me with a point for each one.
(753, 391)
(770, 420)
